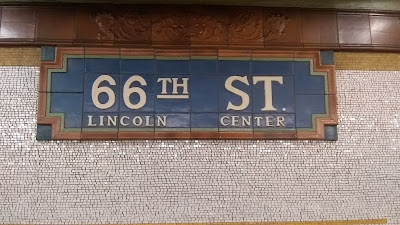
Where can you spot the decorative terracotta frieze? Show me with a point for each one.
(198, 26)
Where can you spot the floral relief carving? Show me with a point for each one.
(171, 28)
(131, 25)
(208, 28)
(246, 26)
(105, 22)
(274, 27)
(203, 25)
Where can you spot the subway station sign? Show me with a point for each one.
(117, 93)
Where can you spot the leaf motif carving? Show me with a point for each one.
(131, 25)
(247, 25)
(171, 28)
(105, 21)
(274, 27)
(207, 28)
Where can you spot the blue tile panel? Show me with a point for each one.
(268, 94)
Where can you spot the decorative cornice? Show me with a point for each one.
(198, 26)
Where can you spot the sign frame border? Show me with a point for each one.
(58, 59)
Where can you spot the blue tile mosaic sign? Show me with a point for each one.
(113, 93)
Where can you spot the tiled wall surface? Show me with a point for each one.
(356, 177)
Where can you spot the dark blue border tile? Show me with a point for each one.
(43, 132)
(327, 57)
(48, 53)
(331, 133)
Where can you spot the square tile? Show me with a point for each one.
(203, 93)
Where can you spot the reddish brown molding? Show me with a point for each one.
(198, 26)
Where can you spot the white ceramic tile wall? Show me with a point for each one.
(357, 177)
